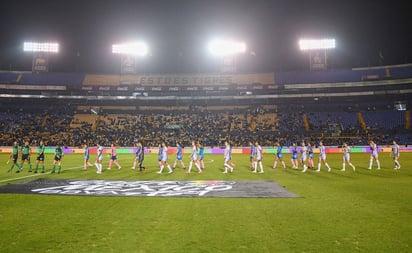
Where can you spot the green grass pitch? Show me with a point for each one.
(362, 211)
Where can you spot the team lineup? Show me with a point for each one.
(301, 157)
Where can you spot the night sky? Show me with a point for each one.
(177, 32)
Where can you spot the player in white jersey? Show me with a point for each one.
(374, 155)
(99, 159)
(165, 159)
(346, 157)
(395, 155)
(304, 156)
(322, 157)
(258, 160)
(228, 158)
(193, 159)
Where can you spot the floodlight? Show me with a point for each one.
(226, 47)
(135, 48)
(41, 47)
(312, 44)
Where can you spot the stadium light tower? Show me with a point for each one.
(317, 51)
(129, 53)
(227, 51)
(41, 52)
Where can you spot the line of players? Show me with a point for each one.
(305, 157)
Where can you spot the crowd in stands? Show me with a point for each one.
(65, 127)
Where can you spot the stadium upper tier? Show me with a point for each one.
(74, 80)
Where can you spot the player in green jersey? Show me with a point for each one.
(14, 155)
(25, 155)
(58, 155)
(40, 157)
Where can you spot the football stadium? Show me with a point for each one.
(229, 159)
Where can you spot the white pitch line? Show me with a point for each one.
(35, 175)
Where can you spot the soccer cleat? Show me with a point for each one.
(261, 171)
(109, 168)
(133, 168)
(224, 172)
(317, 170)
(342, 170)
(254, 171)
(369, 168)
(159, 172)
(378, 168)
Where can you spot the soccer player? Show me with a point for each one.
(165, 159)
(99, 159)
(294, 159)
(322, 157)
(193, 159)
(25, 155)
(179, 157)
(311, 164)
(113, 157)
(86, 157)
(228, 158)
(252, 154)
(374, 155)
(303, 156)
(395, 155)
(14, 156)
(201, 156)
(278, 156)
(346, 157)
(259, 156)
(58, 155)
(139, 158)
(159, 155)
(40, 157)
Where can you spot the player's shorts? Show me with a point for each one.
(40, 158)
(346, 157)
(374, 155)
(25, 157)
(295, 156)
(57, 158)
(279, 155)
(179, 157)
(140, 159)
(322, 156)
(201, 157)
(303, 158)
(114, 157)
(15, 157)
(311, 155)
(86, 158)
(194, 157)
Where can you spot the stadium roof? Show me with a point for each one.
(367, 33)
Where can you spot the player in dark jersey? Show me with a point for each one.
(58, 155)
(40, 157)
(311, 163)
(25, 155)
(139, 158)
(14, 156)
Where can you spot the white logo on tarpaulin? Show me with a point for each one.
(138, 188)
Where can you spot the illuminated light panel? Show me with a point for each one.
(226, 47)
(137, 48)
(41, 47)
(317, 44)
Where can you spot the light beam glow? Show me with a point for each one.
(226, 47)
(134, 48)
(41, 47)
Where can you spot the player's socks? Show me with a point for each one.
(379, 164)
(304, 168)
(370, 164)
(30, 168)
(353, 166)
(327, 165)
(343, 166)
(42, 169)
(60, 168)
(318, 167)
(11, 168)
(54, 167)
(170, 169)
(261, 167)
(35, 170)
